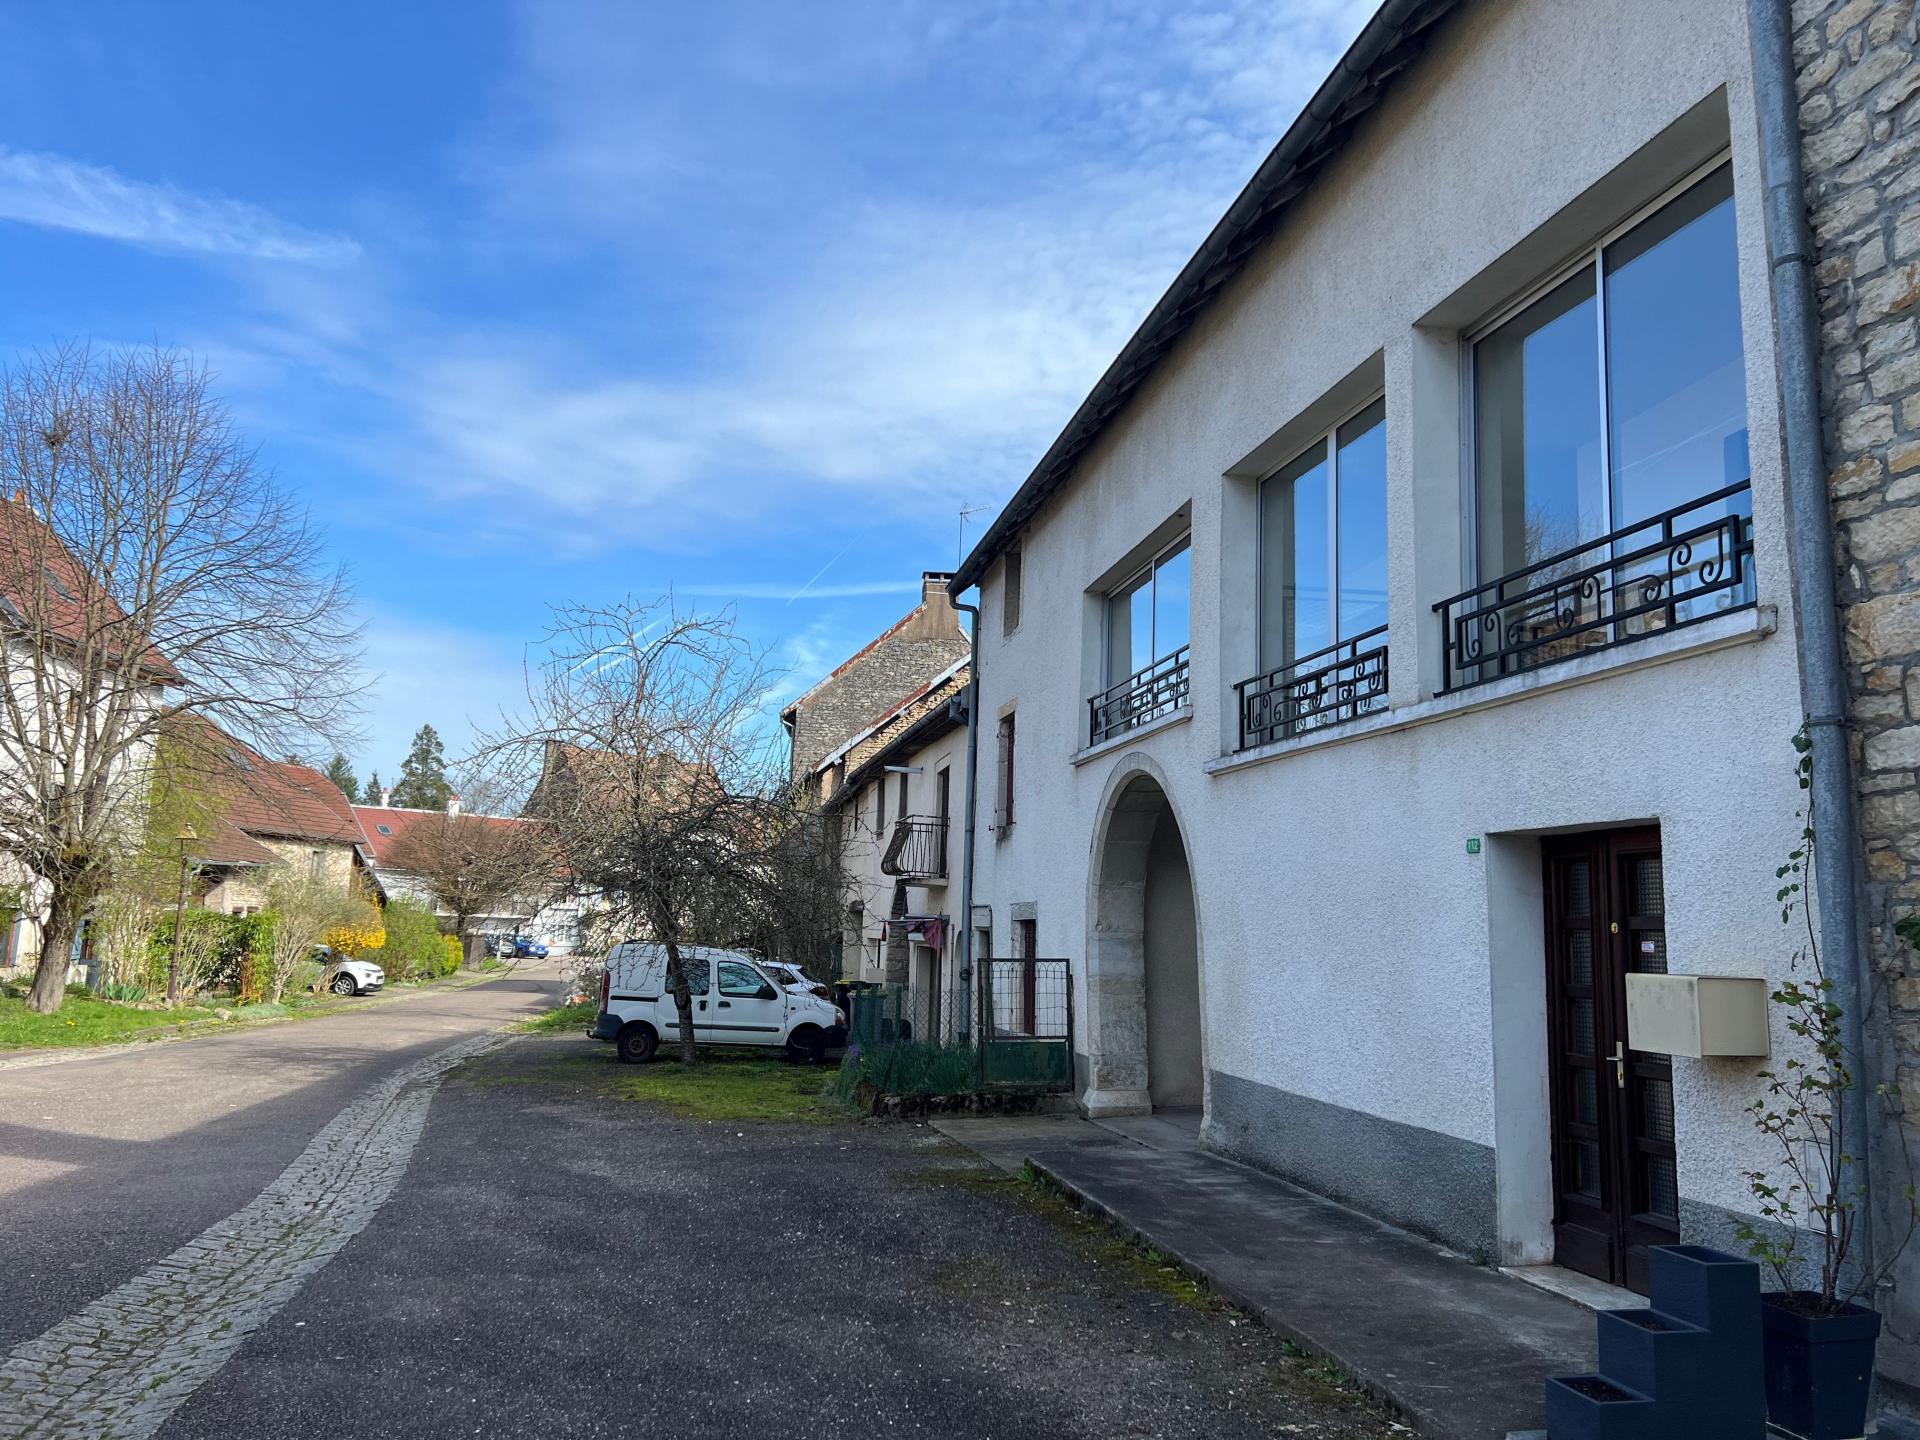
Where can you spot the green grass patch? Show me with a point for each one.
(83, 1020)
(913, 1068)
(726, 1085)
(566, 1018)
(721, 1085)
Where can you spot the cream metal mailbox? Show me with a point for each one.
(1697, 1015)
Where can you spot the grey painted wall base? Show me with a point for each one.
(1709, 1225)
(1432, 1184)
(1106, 1104)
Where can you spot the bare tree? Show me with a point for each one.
(660, 773)
(306, 904)
(479, 865)
(798, 907)
(149, 567)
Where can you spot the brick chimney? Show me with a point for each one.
(453, 804)
(386, 797)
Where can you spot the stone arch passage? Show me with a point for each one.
(1143, 971)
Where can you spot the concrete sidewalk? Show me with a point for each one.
(1463, 1351)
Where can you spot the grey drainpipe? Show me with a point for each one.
(973, 771)
(1823, 681)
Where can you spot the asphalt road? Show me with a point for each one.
(109, 1162)
(559, 1262)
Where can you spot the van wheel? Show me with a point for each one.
(343, 985)
(807, 1045)
(637, 1044)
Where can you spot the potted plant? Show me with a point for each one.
(1819, 1336)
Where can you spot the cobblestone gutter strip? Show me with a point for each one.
(121, 1366)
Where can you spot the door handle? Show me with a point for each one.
(703, 1004)
(725, 1005)
(1619, 1058)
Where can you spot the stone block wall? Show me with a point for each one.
(1859, 79)
(902, 660)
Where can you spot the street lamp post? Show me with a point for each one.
(187, 837)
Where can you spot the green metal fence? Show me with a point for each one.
(1027, 1042)
(910, 1040)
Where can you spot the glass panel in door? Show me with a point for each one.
(1172, 602)
(1676, 396)
(1296, 590)
(1362, 539)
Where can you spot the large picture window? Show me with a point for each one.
(1323, 542)
(1619, 394)
(1611, 483)
(1148, 622)
(1149, 617)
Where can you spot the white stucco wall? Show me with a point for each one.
(1345, 932)
(129, 788)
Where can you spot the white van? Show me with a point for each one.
(735, 1002)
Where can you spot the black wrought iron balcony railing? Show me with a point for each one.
(1145, 695)
(917, 849)
(1328, 687)
(1673, 569)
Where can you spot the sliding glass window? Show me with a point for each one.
(1149, 617)
(1610, 413)
(1323, 542)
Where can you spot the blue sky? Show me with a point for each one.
(568, 301)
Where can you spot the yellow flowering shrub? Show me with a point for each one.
(364, 931)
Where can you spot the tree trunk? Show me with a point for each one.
(682, 1000)
(897, 968)
(473, 950)
(56, 945)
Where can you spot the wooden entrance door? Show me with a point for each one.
(1615, 1183)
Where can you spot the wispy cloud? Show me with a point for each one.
(59, 193)
(762, 590)
(905, 262)
(914, 314)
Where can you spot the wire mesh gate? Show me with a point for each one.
(1027, 1037)
(910, 1040)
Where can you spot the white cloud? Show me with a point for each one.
(925, 313)
(765, 590)
(897, 321)
(64, 194)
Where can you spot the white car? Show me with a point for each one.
(792, 977)
(735, 1002)
(355, 977)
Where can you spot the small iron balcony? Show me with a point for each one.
(917, 849)
(1673, 569)
(1328, 687)
(1158, 690)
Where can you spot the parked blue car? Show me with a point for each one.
(527, 948)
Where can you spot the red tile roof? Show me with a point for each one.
(384, 825)
(42, 583)
(275, 799)
(230, 845)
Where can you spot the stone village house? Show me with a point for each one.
(1400, 647)
(273, 813)
(43, 583)
(896, 663)
(893, 794)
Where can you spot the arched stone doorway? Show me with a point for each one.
(1143, 955)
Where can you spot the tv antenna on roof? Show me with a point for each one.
(960, 547)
